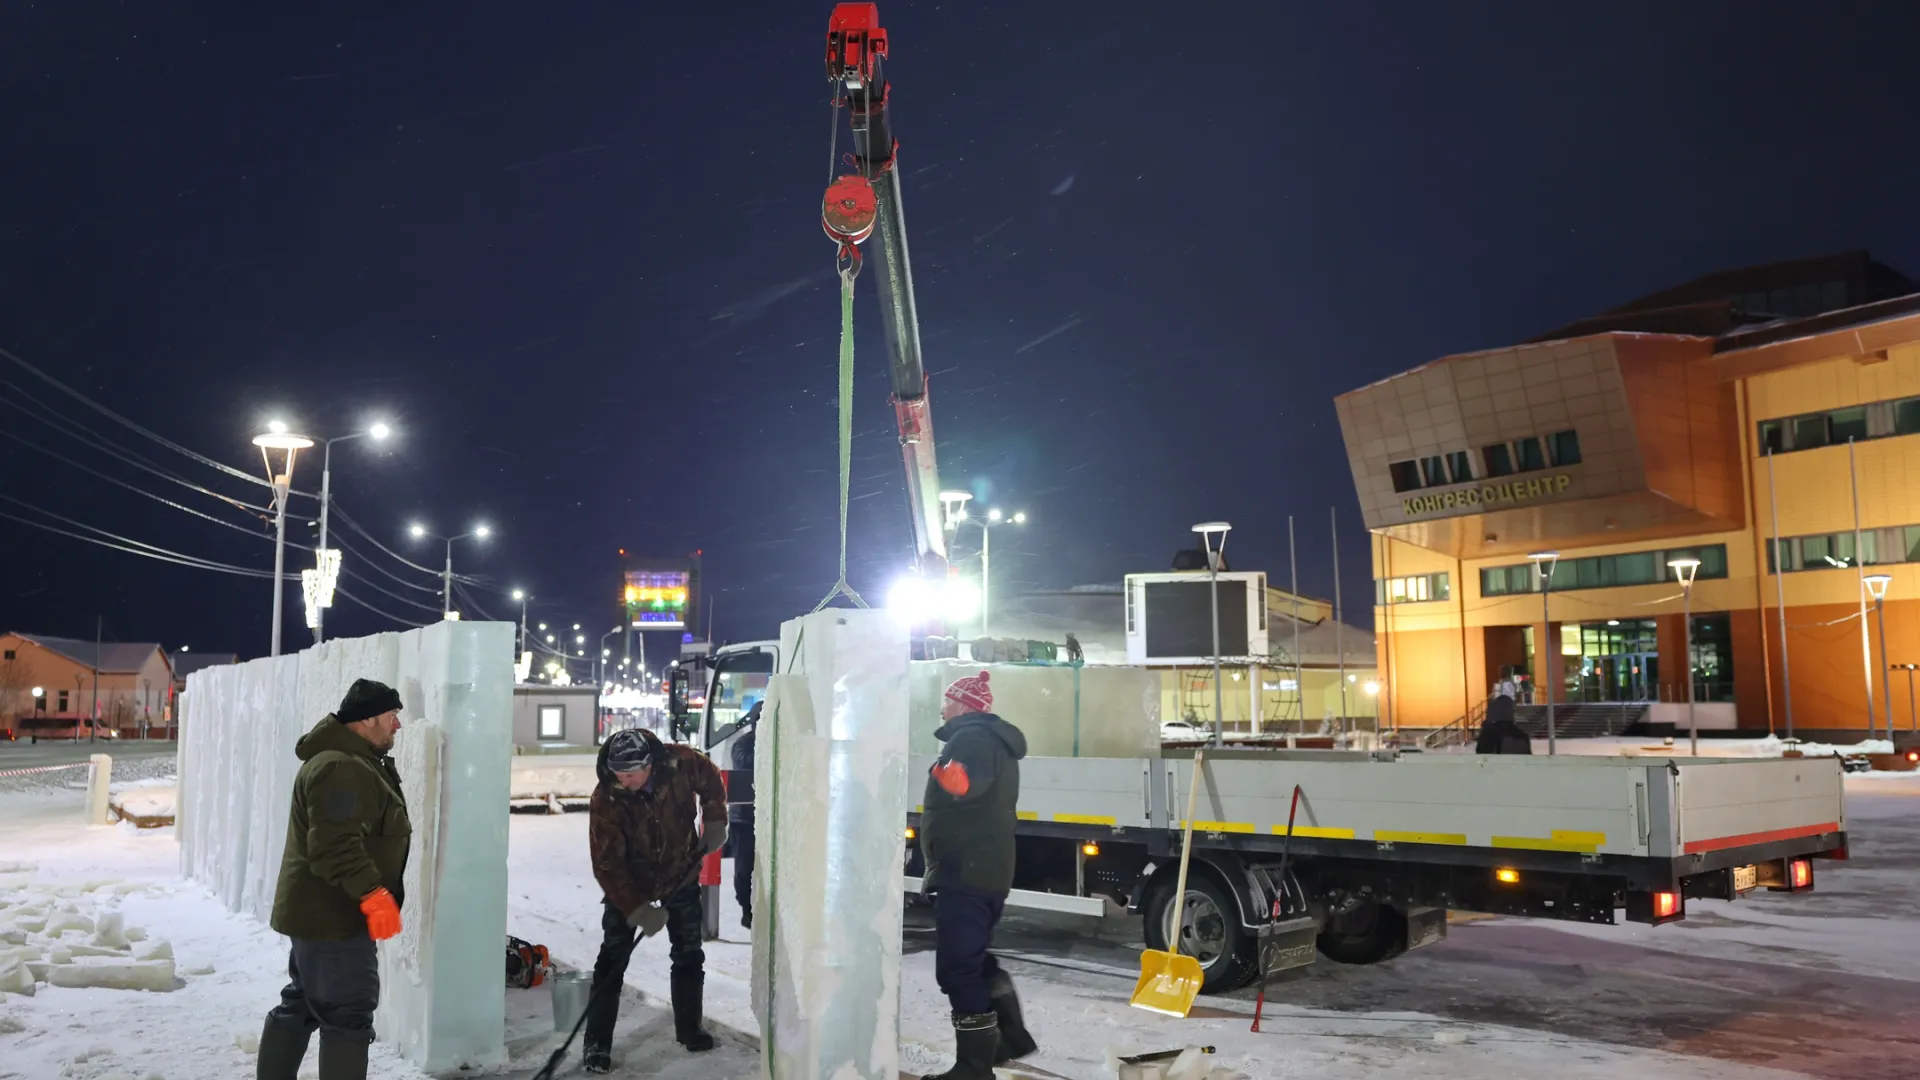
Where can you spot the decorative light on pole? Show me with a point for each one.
(317, 584)
(1208, 530)
(277, 437)
(1545, 650)
(1684, 570)
(1877, 588)
(419, 532)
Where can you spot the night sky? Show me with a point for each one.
(572, 252)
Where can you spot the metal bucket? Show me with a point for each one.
(570, 992)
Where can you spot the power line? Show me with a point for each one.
(137, 490)
(435, 608)
(338, 591)
(183, 560)
(119, 538)
(127, 456)
(347, 519)
(344, 546)
(130, 425)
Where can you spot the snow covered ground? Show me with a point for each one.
(1823, 985)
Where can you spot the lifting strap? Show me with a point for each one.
(849, 269)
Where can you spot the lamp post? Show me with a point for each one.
(956, 504)
(1877, 586)
(277, 437)
(419, 531)
(1208, 530)
(600, 666)
(378, 433)
(1685, 570)
(1543, 564)
(523, 596)
(1913, 713)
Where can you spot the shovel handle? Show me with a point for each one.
(1186, 850)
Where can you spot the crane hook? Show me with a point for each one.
(847, 213)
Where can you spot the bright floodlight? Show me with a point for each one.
(482, 531)
(518, 595)
(915, 600)
(39, 691)
(1019, 517)
(416, 530)
(1877, 585)
(278, 427)
(994, 514)
(379, 431)
(279, 438)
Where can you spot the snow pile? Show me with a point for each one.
(1636, 746)
(148, 804)
(74, 936)
(555, 780)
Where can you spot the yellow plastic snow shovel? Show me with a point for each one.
(1168, 981)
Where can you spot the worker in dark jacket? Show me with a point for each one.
(966, 840)
(646, 856)
(1499, 732)
(339, 890)
(740, 813)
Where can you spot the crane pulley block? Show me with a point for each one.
(855, 44)
(849, 210)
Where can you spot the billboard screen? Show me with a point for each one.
(1180, 619)
(657, 599)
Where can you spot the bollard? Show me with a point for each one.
(99, 776)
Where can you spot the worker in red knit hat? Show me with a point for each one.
(966, 839)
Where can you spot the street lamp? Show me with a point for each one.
(600, 667)
(1877, 587)
(1684, 570)
(419, 532)
(1543, 564)
(1913, 711)
(325, 573)
(1208, 530)
(277, 437)
(523, 596)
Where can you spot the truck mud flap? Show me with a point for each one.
(1288, 944)
(1425, 925)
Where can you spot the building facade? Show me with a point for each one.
(134, 688)
(1707, 422)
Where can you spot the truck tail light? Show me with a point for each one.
(1666, 905)
(1800, 874)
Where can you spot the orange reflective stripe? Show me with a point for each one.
(952, 778)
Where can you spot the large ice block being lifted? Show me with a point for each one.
(831, 796)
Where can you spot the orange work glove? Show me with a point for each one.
(383, 915)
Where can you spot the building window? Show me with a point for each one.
(1563, 447)
(63, 702)
(1810, 431)
(1604, 571)
(1460, 466)
(553, 722)
(1498, 460)
(1412, 590)
(9, 655)
(1406, 475)
(1845, 424)
(1711, 656)
(1837, 551)
(1433, 470)
(1527, 455)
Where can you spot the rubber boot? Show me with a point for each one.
(1015, 1042)
(686, 1014)
(282, 1048)
(976, 1039)
(596, 1059)
(342, 1058)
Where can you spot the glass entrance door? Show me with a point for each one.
(1619, 661)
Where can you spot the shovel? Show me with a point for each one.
(1168, 981)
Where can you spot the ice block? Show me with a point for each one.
(830, 806)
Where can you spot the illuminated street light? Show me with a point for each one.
(290, 445)
(1684, 570)
(1877, 588)
(327, 566)
(1544, 563)
(1208, 530)
(478, 532)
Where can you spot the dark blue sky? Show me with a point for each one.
(573, 251)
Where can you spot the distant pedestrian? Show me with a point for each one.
(340, 886)
(740, 813)
(1499, 732)
(646, 856)
(967, 843)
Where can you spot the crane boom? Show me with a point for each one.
(856, 48)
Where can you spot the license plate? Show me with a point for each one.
(1745, 878)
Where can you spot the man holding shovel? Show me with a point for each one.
(646, 857)
(966, 840)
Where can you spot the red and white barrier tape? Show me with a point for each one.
(44, 768)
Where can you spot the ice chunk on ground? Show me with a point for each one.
(11, 1025)
(248, 1040)
(111, 931)
(68, 920)
(158, 949)
(135, 933)
(152, 975)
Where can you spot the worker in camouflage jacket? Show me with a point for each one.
(340, 886)
(967, 842)
(657, 811)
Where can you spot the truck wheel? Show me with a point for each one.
(1211, 933)
(1371, 933)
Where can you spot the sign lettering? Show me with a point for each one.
(1507, 491)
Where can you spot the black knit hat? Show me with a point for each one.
(366, 699)
(628, 751)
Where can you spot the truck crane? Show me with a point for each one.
(864, 202)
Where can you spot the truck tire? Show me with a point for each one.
(1372, 933)
(1225, 949)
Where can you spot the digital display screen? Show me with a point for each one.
(1180, 618)
(657, 599)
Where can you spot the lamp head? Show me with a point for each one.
(379, 430)
(483, 531)
(416, 530)
(1877, 585)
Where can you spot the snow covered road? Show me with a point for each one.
(1773, 986)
